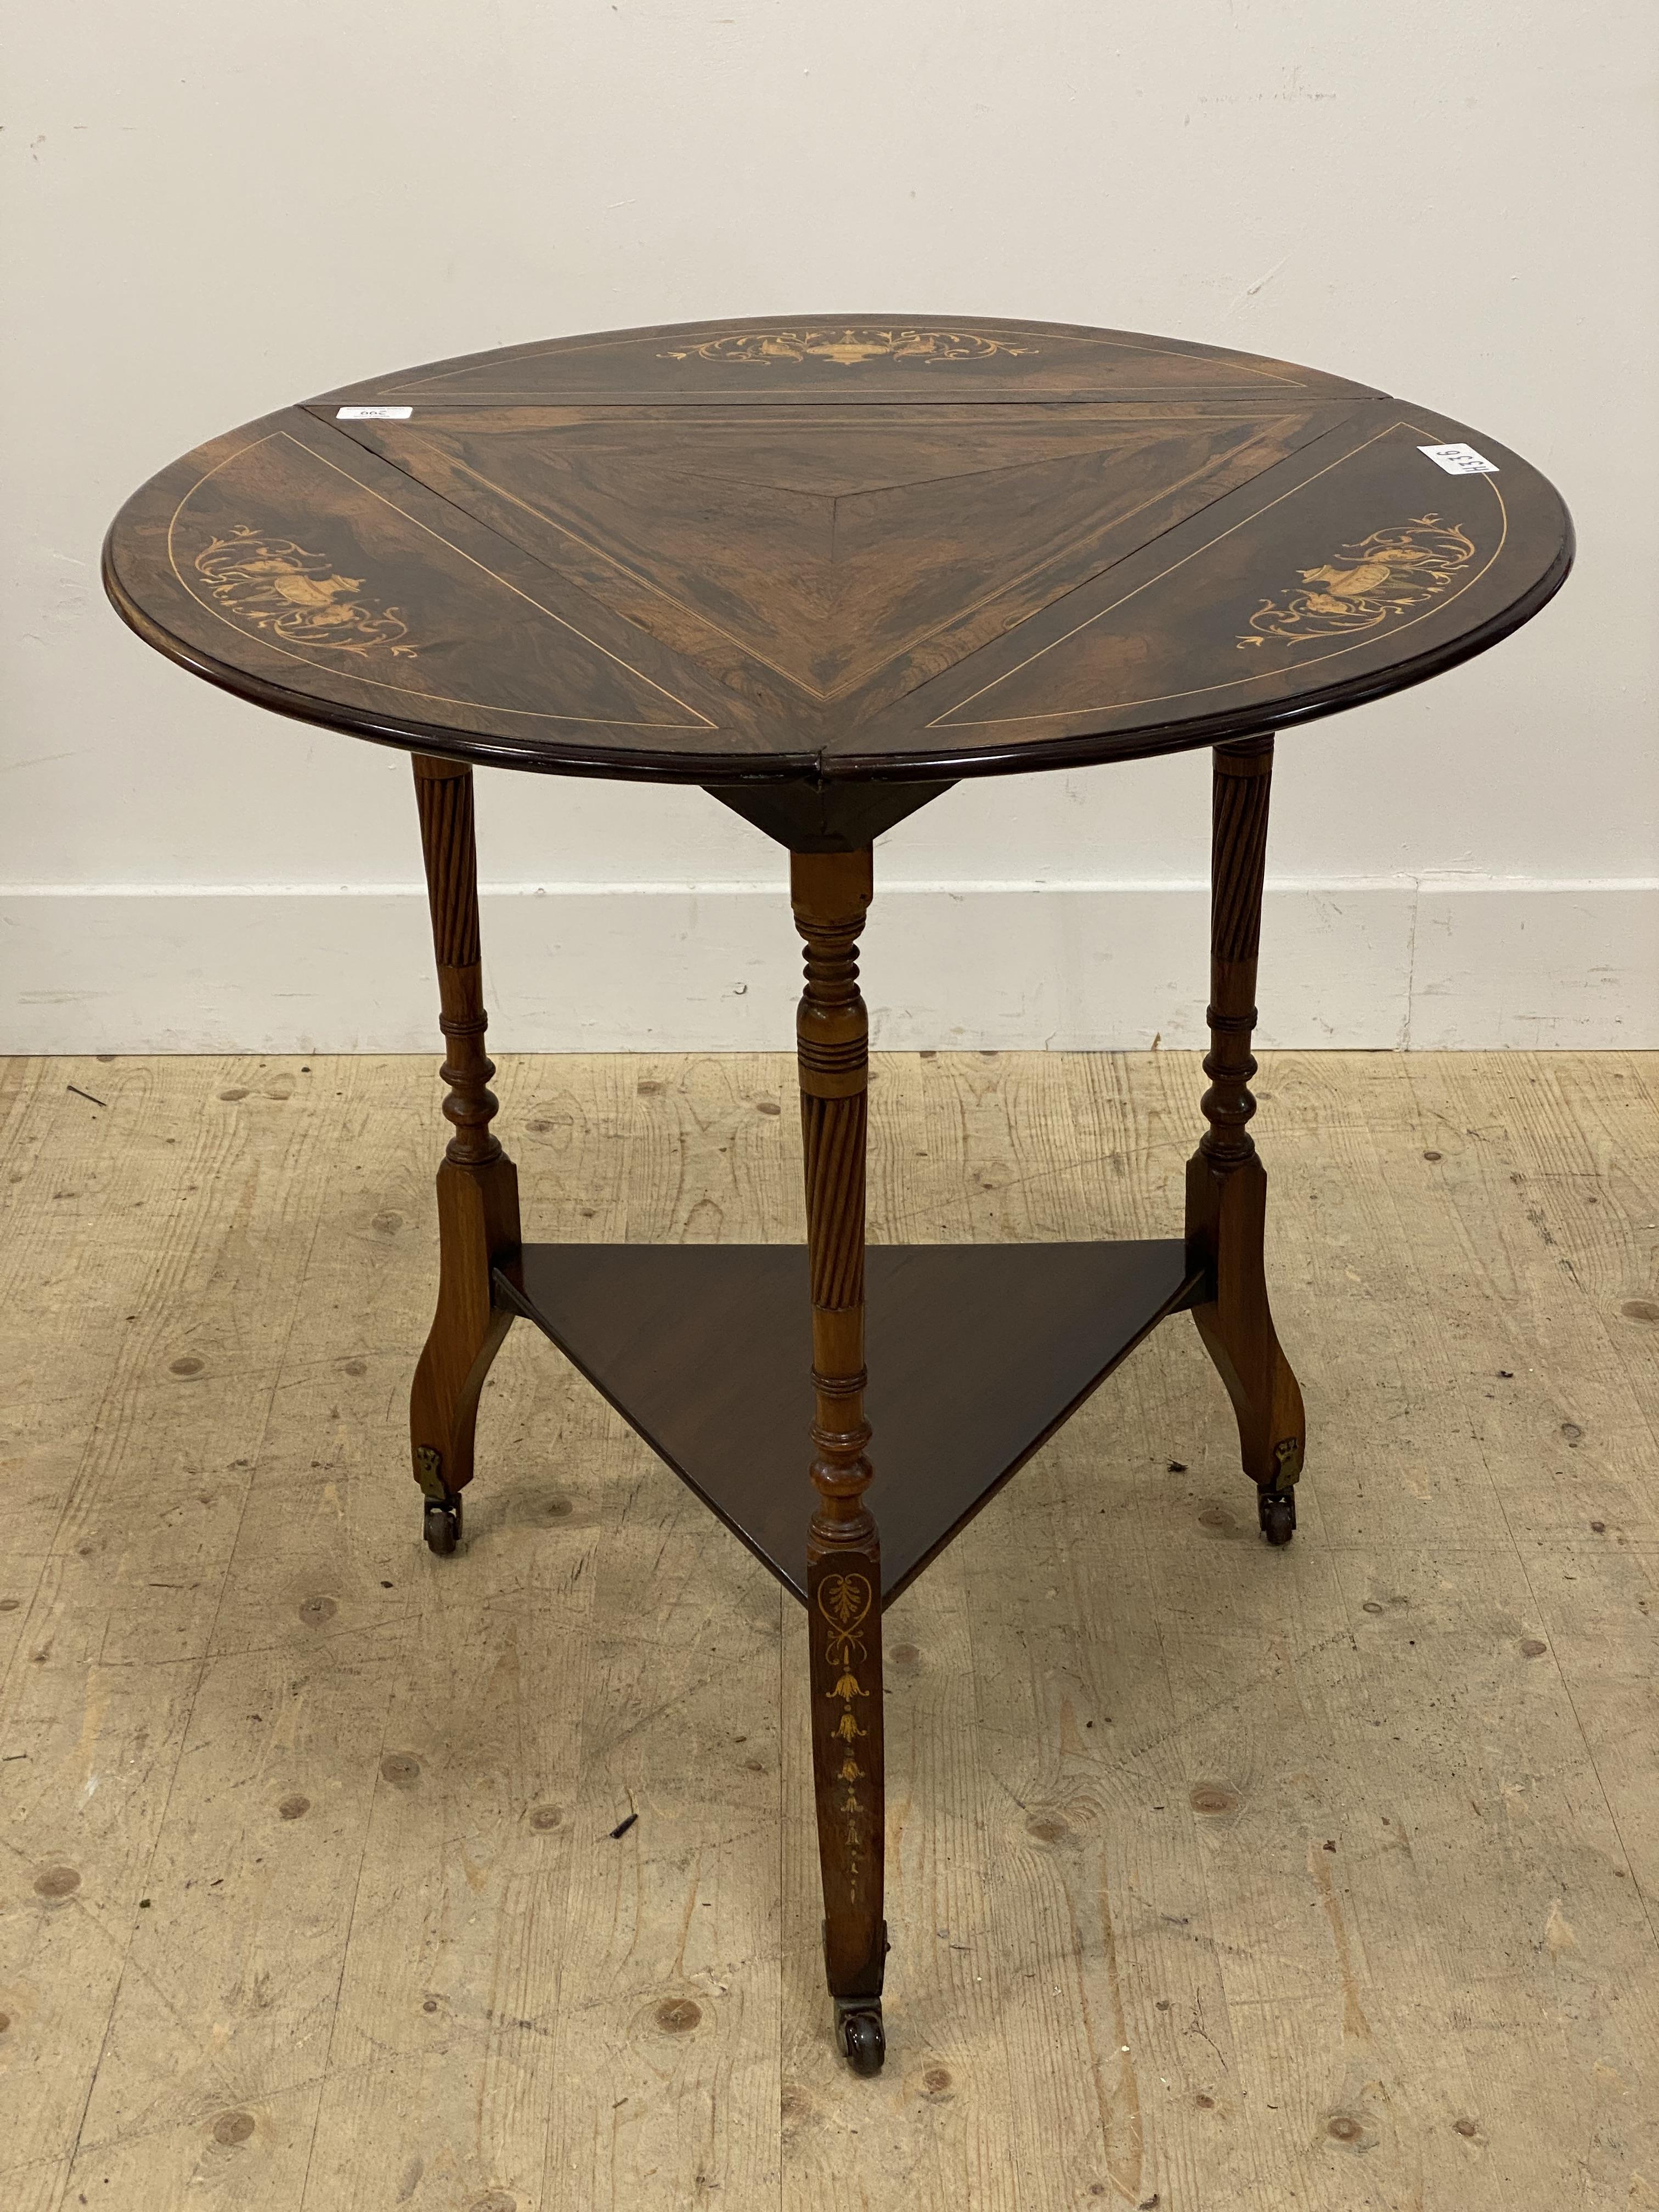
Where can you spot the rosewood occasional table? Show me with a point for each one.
(826, 568)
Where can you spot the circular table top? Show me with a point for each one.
(835, 549)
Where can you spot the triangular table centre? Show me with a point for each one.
(829, 550)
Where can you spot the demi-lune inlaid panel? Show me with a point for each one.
(835, 547)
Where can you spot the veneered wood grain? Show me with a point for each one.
(859, 359)
(822, 552)
(827, 575)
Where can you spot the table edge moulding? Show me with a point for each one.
(825, 567)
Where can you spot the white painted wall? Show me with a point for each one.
(212, 210)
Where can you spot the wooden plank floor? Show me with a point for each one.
(1219, 1877)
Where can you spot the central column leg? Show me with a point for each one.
(830, 893)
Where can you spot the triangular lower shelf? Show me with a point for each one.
(977, 1354)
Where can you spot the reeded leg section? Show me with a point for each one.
(830, 894)
(1227, 1183)
(477, 1184)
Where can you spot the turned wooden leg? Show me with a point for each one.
(830, 892)
(477, 1184)
(1227, 1183)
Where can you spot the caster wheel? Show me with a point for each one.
(1276, 1510)
(863, 2041)
(442, 1527)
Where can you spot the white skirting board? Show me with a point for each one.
(1462, 964)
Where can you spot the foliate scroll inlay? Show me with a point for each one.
(1392, 572)
(850, 348)
(298, 596)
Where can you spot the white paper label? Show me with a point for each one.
(403, 414)
(1459, 460)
